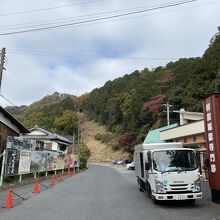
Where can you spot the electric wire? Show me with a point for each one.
(47, 9)
(83, 56)
(98, 19)
(9, 65)
(10, 102)
(76, 18)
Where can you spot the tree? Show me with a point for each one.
(128, 141)
(67, 123)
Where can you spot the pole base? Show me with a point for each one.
(215, 196)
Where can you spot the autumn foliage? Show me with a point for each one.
(153, 105)
(128, 141)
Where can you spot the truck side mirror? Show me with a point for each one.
(147, 166)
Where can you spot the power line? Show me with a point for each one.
(76, 18)
(10, 102)
(98, 19)
(86, 56)
(21, 77)
(47, 9)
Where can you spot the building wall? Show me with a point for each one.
(4, 133)
(51, 145)
(193, 140)
(183, 131)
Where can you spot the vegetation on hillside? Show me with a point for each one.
(131, 105)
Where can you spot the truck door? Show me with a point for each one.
(142, 165)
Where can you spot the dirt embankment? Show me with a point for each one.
(100, 152)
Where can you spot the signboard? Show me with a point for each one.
(211, 109)
(76, 160)
(51, 163)
(38, 161)
(68, 161)
(12, 162)
(24, 162)
(60, 161)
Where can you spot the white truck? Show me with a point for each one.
(167, 171)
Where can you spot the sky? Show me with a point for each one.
(91, 48)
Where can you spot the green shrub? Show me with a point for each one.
(104, 138)
(83, 162)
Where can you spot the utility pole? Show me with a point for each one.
(73, 150)
(2, 61)
(78, 134)
(168, 106)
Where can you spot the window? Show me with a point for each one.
(142, 164)
(194, 138)
(174, 160)
(185, 140)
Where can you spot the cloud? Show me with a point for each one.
(100, 51)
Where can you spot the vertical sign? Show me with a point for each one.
(211, 110)
(12, 162)
(25, 162)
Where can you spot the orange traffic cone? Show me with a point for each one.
(36, 187)
(53, 180)
(61, 177)
(73, 173)
(68, 172)
(9, 200)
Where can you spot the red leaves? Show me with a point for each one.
(153, 105)
(128, 141)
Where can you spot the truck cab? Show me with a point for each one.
(167, 171)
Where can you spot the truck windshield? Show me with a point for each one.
(174, 160)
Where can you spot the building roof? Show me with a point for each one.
(45, 134)
(13, 121)
(153, 136)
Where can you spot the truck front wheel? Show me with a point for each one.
(155, 201)
(191, 201)
(140, 185)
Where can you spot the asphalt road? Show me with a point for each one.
(104, 193)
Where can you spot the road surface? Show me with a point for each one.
(104, 193)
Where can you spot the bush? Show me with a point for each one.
(83, 162)
(104, 138)
(84, 155)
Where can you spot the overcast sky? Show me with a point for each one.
(78, 58)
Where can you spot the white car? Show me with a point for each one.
(130, 166)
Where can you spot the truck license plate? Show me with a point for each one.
(181, 197)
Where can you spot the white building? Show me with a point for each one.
(52, 141)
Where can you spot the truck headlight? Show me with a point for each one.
(159, 188)
(197, 185)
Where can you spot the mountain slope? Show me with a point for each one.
(44, 111)
(100, 152)
(133, 103)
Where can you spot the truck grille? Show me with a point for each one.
(178, 192)
(174, 185)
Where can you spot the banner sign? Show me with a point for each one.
(211, 109)
(76, 160)
(12, 161)
(24, 162)
(51, 162)
(25, 156)
(68, 161)
(60, 161)
(38, 161)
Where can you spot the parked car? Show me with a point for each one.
(127, 161)
(114, 162)
(120, 162)
(130, 166)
